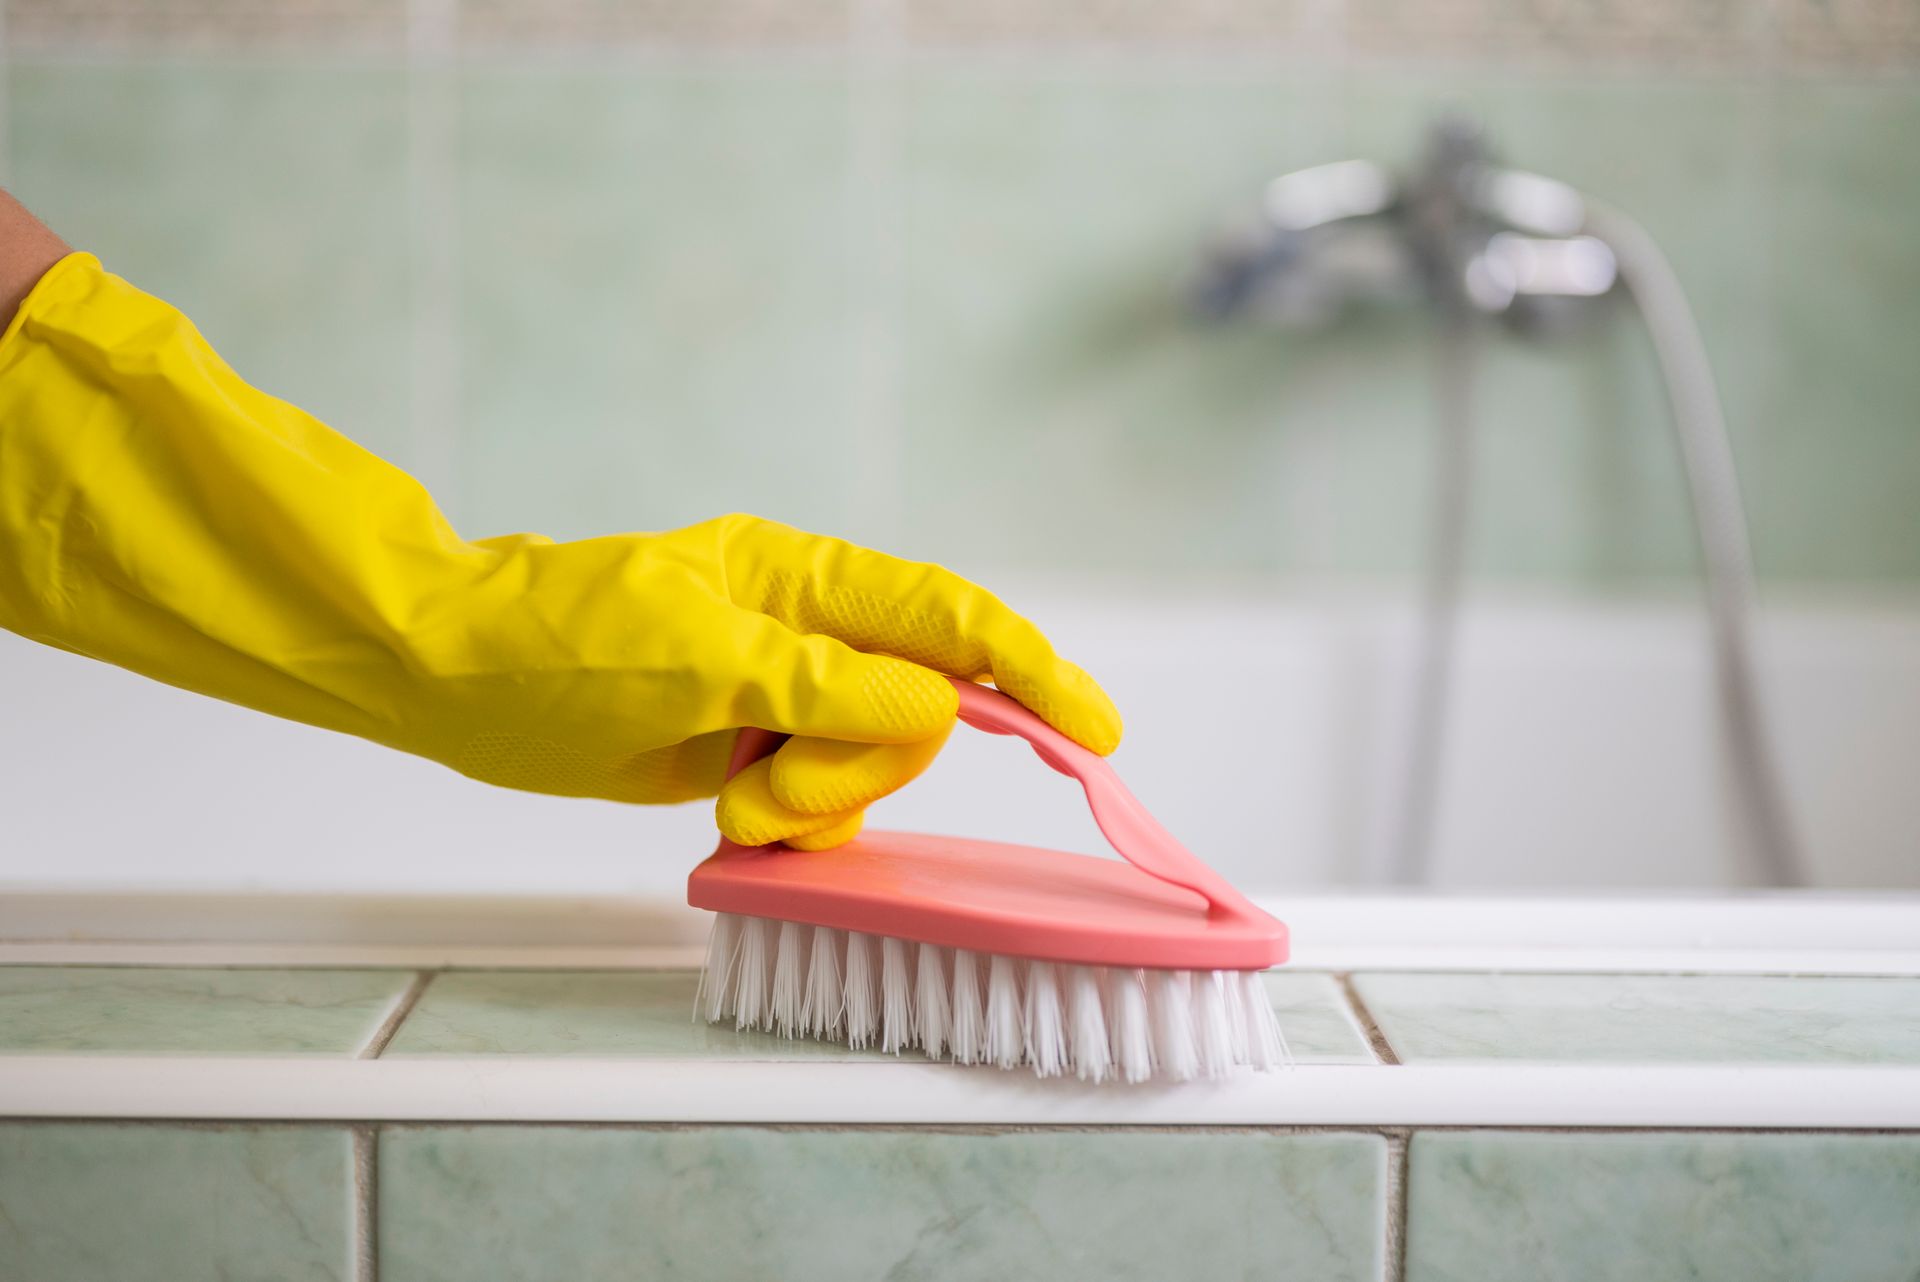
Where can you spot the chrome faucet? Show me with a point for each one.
(1459, 231)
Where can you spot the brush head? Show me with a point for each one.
(884, 993)
(991, 897)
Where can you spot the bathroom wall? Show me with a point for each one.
(876, 266)
(908, 270)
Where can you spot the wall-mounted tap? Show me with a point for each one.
(1457, 230)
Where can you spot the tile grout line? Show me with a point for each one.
(1385, 1132)
(377, 1044)
(1253, 58)
(1376, 1039)
(1394, 1253)
(366, 1229)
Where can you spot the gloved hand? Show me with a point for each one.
(158, 513)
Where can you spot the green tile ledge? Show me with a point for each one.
(544, 1030)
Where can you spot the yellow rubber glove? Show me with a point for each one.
(158, 513)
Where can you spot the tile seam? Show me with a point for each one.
(1249, 57)
(1394, 1251)
(409, 998)
(1376, 1037)
(1383, 1132)
(154, 956)
(366, 1237)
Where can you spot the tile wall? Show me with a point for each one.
(887, 268)
(409, 1202)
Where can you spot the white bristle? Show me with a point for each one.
(714, 998)
(821, 1011)
(1100, 1023)
(1006, 1039)
(1170, 1005)
(967, 1030)
(931, 1020)
(896, 996)
(756, 957)
(1046, 1022)
(1087, 1024)
(1266, 1047)
(1236, 1012)
(1212, 1025)
(789, 979)
(1132, 1031)
(863, 1018)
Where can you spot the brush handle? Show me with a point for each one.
(1134, 834)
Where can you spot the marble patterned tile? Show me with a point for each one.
(164, 1010)
(459, 1203)
(647, 1015)
(638, 1014)
(83, 1202)
(1491, 1207)
(1314, 1018)
(1735, 1019)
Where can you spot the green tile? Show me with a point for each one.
(1053, 379)
(643, 1014)
(268, 202)
(539, 1203)
(648, 1015)
(653, 299)
(172, 1010)
(1489, 1207)
(1646, 1018)
(82, 1202)
(1314, 1018)
(1840, 492)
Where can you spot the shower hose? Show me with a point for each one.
(1720, 525)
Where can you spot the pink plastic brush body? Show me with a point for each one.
(1162, 908)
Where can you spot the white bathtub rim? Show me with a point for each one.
(508, 1089)
(1788, 933)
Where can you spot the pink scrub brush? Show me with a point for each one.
(988, 953)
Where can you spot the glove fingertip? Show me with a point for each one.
(748, 814)
(1072, 702)
(817, 776)
(740, 809)
(838, 835)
